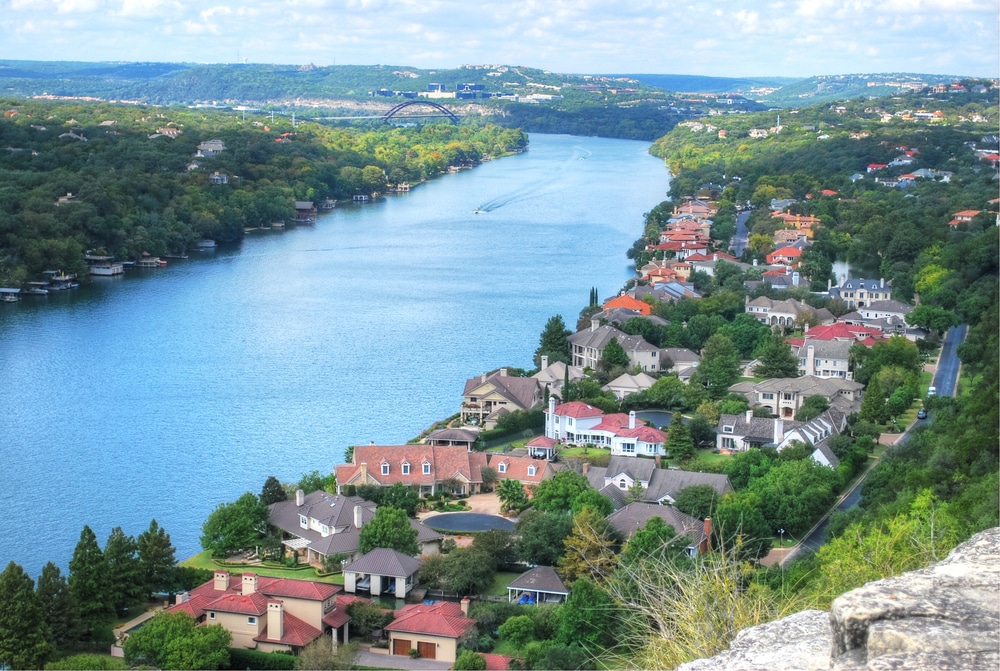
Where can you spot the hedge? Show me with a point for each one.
(241, 658)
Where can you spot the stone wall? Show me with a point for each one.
(943, 617)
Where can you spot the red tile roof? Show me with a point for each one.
(295, 632)
(495, 662)
(444, 618)
(578, 410)
(629, 303)
(446, 461)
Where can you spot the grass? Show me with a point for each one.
(500, 582)
(203, 560)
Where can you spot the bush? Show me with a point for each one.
(242, 658)
(87, 662)
(468, 660)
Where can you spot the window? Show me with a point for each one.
(727, 428)
(251, 620)
(502, 468)
(728, 443)
(211, 615)
(385, 469)
(427, 468)
(531, 470)
(622, 484)
(768, 396)
(303, 521)
(628, 448)
(406, 468)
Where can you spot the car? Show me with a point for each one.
(922, 413)
(932, 391)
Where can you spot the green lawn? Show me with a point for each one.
(500, 582)
(204, 560)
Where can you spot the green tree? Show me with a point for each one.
(24, 634)
(613, 356)
(157, 559)
(590, 548)
(469, 660)
(655, 539)
(390, 528)
(697, 501)
(739, 526)
(719, 367)
(499, 544)
(588, 616)
(679, 445)
(776, 359)
(557, 493)
(61, 612)
(468, 571)
(667, 392)
(554, 342)
(812, 407)
(367, 616)
(236, 526)
(87, 662)
(272, 492)
(540, 536)
(88, 581)
(175, 641)
(512, 495)
(518, 630)
(873, 404)
(932, 318)
(401, 496)
(126, 582)
(319, 655)
(594, 499)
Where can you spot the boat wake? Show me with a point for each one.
(538, 190)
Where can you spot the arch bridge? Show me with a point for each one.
(444, 111)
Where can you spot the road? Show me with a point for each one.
(739, 242)
(946, 380)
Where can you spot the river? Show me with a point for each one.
(166, 392)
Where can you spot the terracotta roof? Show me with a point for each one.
(446, 461)
(629, 303)
(296, 589)
(496, 662)
(444, 618)
(517, 468)
(295, 632)
(578, 409)
(542, 441)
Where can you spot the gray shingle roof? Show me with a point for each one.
(668, 482)
(635, 515)
(540, 579)
(384, 561)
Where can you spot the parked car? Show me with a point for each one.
(922, 413)
(932, 391)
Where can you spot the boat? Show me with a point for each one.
(59, 281)
(103, 265)
(175, 256)
(161, 262)
(278, 225)
(37, 289)
(326, 205)
(475, 211)
(8, 295)
(148, 262)
(206, 244)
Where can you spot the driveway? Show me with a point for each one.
(373, 661)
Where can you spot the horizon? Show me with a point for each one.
(794, 39)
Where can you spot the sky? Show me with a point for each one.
(738, 38)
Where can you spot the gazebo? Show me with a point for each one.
(539, 585)
(382, 571)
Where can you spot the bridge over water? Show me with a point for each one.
(440, 112)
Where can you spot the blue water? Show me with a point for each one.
(166, 392)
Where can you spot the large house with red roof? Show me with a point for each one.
(578, 423)
(629, 303)
(434, 630)
(268, 614)
(429, 468)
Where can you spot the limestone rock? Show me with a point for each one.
(800, 641)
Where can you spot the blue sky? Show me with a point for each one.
(724, 37)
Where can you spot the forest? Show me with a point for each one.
(137, 186)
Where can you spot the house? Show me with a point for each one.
(434, 630)
(627, 384)
(885, 308)
(681, 360)
(305, 212)
(539, 585)
(587, 347)
(739, 433)
(668, 291)
(218, 178)
(382, 571)
(788, 312)
(788, 256)
(429, 468)
(210, 148)
(578, 423)
(659, 485)
(552, 376)
(860, 292)
(462, 437)
(527, 470)
(267, 614)
(628, 303)
(825, 358)
(320, 525)
(635, 515)
(844, 331)
(784, 396)
(487, 397)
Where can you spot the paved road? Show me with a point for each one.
(739, 242)
(945, 379)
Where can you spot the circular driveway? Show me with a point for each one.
(468, 522)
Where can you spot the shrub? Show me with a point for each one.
(242, 658)
(468, 660)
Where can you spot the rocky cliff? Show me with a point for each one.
(944, 617)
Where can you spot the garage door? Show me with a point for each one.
(426, 650)
(400, 646)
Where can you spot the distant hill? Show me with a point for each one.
(826, 88)
(699, 84)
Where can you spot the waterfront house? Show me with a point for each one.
(527, 470)
(429, 468)
(487, 397)
(858, 293)
(578, 423)
(318, 525)
(588, 345)
(551, 376)
(267, 614)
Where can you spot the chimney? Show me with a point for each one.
(795, 279)
(503, 372)
(482, 378)
(779, 430)
(249, 583)
(275, 620)
(594, 323)
(715, 256)
(829, 284)
(300, 497)
(586, 467)
(465, 606)
(749, 415)
(631, 419)
(708, 533)
(221, 583)
(364, 472)
(544, 362)
(658, 460)
(358, 519)
(182, 597)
